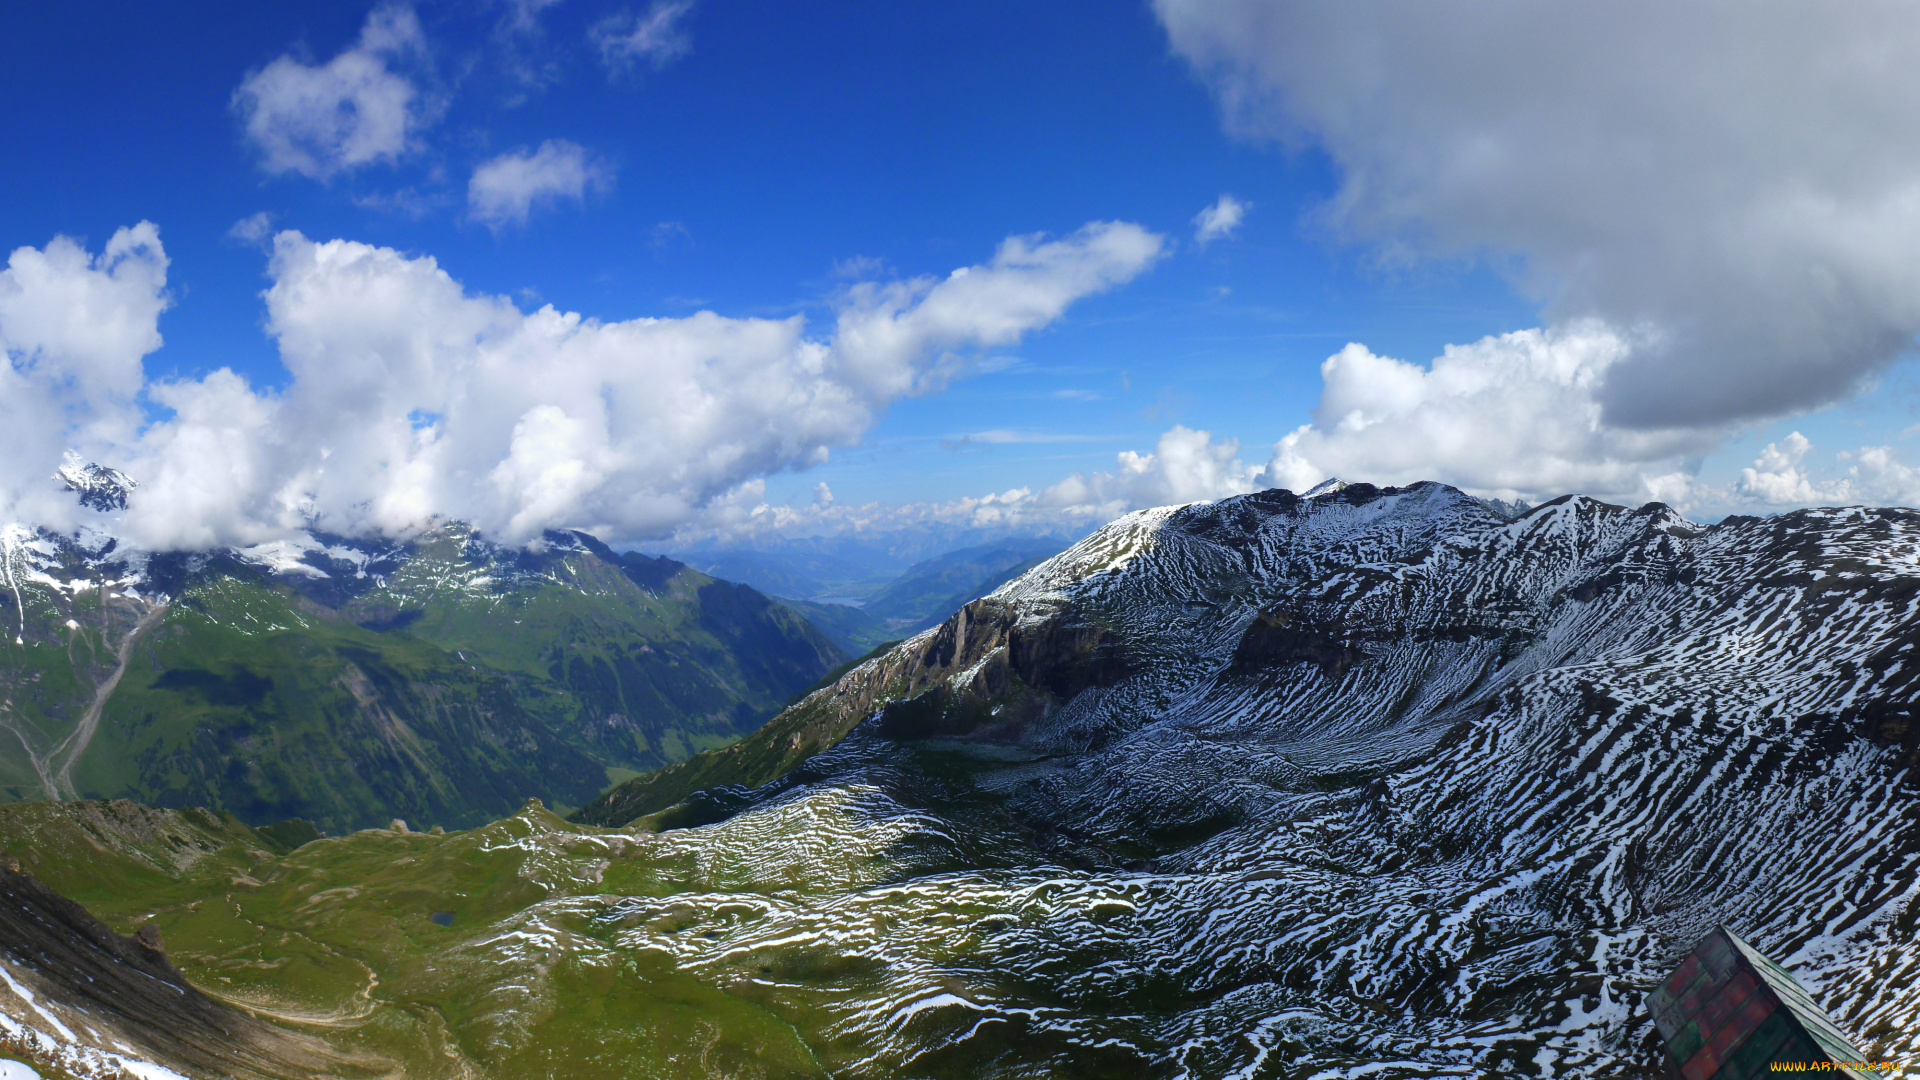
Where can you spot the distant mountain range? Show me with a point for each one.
(348, 681)
(860, 597)
(444, 679)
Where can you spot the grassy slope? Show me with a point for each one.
(240, 702)
(432, 696)
(54, 650)
(337, 936)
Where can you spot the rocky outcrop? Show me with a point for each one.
(68, 974)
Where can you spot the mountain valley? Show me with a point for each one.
(858, 612)
(1377, 782)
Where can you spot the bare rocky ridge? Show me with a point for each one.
(1383, 778)
(121, 997)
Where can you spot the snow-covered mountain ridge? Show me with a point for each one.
(1381, 782)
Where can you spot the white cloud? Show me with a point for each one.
(74, 328)
(1513, 416)
(1780, 477)
(523, 16)
(1220, 219)
(860, 266)
(656, 38)
(1736, 186)
(410, 398)
(1029, 283)
(507, 189)
(1185, 466)
(1010, 437)
(354, 110)
(1775, 477)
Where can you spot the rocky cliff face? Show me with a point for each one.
(1383, 779)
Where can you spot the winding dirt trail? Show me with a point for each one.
(60, 762)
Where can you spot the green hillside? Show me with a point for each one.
(480, 953)
(443, 682)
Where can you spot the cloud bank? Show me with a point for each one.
(1778, 477)
(1727, 193)
(73, 327)
(1510, 417)
(411, 398)
(1185, 466)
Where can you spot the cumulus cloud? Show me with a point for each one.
(74, 328)
(411, 398)
(508, 189)
(1733, 187)
(1513, 416)
(1219, 220)
(354, 110)
(1780, 476)
(656, 38)
(1185, 466)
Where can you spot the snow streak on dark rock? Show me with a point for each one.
(1383, 782)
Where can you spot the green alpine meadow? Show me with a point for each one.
(441, 681)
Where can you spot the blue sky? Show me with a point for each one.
(771, 155)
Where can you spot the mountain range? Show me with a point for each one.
(351, 681)
(862, 598)
(1382, 781)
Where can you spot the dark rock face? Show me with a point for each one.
(127, 987)
(989, 672)
(1066, 653)
(1274, 639)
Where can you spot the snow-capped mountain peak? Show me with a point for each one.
(99, 486)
